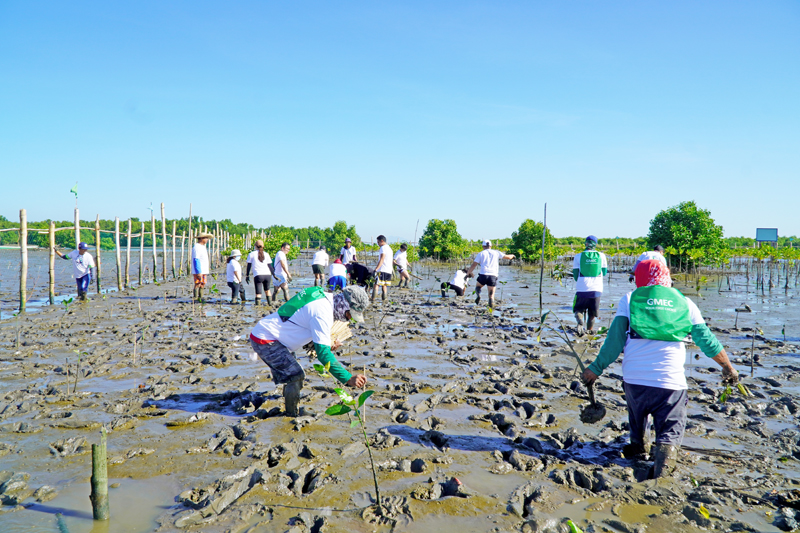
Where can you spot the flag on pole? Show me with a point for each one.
(74, 190)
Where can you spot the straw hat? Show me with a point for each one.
(204, 236)
(236, 253)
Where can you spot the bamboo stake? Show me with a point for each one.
(174, 227)
(163, 243)
(23, 264)
(117, 253)
(183, 238)
(51, 286)
(141, 252)
(155, 246)
(189, 257)
(99, 495)
(77, 227)
(128, 257)
(97, 248)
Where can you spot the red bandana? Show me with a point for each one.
(652, 272)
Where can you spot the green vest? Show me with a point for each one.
(660, 313)
(591, 264)
(301, 299)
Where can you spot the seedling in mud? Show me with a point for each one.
(348, 404)
(77, 371)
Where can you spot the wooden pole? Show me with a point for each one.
(23, 259)
(128, 256)
(51, 287)
(117, 253)
(541, 269)
(174, 227)
(163, 243)
(191, 240)
(141, 252)
(217, 249)
(155, 245)
(183, 238)
(97, 247)
(99, 481)
(77, 228)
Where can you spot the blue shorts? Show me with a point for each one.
(337, 282)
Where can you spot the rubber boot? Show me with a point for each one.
(194, 293)
(664, 458)
(200, 294)
(444, 293)
(477, 296)
(383, 295)
(491, 302)
(291, 396)
(258, 301)
(634, 451)
(579, 320)
(590, 325)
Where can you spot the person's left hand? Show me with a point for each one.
(730, 376)
(589, 377)
(336, 345)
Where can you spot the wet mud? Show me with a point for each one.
(475, 425)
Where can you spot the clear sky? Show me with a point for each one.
(383, 113)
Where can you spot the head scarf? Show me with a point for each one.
(591, 242)
(652, 272)
(340, 307)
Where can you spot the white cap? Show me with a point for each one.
(487, 243)
(236, 253)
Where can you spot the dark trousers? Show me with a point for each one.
(459, 290)
(262, 284)
(236, 290)
(83, 283)
(668, 408)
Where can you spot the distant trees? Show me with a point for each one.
(334, 237)
(687, 231)
(441, 240)
(527, 242)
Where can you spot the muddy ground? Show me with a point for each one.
(474, 424)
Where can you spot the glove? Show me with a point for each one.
(247, 279)
(631, 278)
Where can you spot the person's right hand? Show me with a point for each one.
(247, 279)
(589, 377)
(730, 376)
(358, 381)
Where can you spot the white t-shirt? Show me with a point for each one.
(655, 363)
(401, 258)
(347, 254)
(80, 263)
(259, 268)
(459, 279)
(489, 260)
(337, 269)
(386, 253)
(593, 284)
(652, 254)
(312, 322)
(280, 258)
(234, 268)
(320, 258)
(199, 251)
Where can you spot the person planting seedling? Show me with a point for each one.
(588, 268)
(307, 317)
(82, 265)
(651, 325)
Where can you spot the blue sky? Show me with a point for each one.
(383, 113)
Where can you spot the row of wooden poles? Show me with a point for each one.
(217, 244)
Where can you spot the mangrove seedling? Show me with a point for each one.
(348, 404)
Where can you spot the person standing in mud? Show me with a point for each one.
(318, 264)
(82, 265)
(458, 283)
(200, 265)
(307, 317)
(348, 252)
(588, 269)
(281, 272)
(489, 261)
(261, 264)
(383, 270)
(657, 253)
(233, 273)
(401, 262)
(651, 326)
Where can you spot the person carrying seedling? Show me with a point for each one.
(337, 275)
(82, 265)
(307, 317)
(233, 274)
(458, 283)
(348, 252)
(588, 269)
(656, 253)
(652, 325)
(401, 262)
(489, 261)
(281, 272)
(318, 265)
(383, 270)
(261, 264)
(200, 264)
